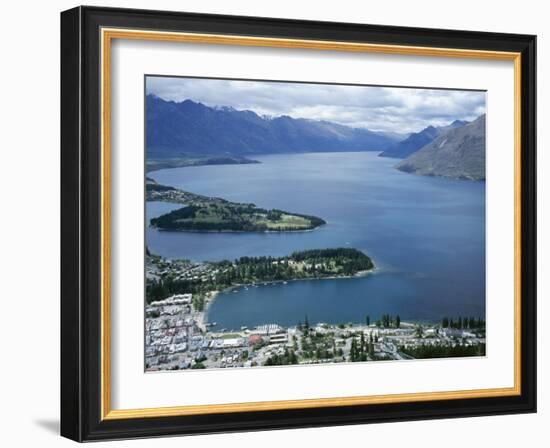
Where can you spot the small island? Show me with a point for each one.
(210, 214)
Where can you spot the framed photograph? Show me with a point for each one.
(273, 223)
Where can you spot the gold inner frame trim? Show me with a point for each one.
(107, 35)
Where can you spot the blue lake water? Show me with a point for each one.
(426, 236)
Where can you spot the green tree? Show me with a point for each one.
(353, 351)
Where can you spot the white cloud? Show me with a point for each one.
(377, 108)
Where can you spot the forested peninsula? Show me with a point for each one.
(182, 276)
(210, 214)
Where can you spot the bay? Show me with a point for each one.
(426, 236)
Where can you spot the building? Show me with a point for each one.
(254, 339)
(234, 342)
(279, 338)
(176, 299)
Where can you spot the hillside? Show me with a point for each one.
(193, 128)
(458, 153)
(418, 140)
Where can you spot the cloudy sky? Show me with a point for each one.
(388, 109)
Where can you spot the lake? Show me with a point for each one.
(426, 236)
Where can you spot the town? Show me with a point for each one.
(179, 336)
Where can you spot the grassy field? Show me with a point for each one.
(285, 221)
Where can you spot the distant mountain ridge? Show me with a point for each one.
(174, 128)
(418, 140)
(458, 153)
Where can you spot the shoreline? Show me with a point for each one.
(230, 231)
(170, 163)
(202, 316)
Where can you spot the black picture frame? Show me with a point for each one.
(81, 224)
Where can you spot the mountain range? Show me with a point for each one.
(418, 140)
(458, 153)
(189, 127)
(188, 132)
